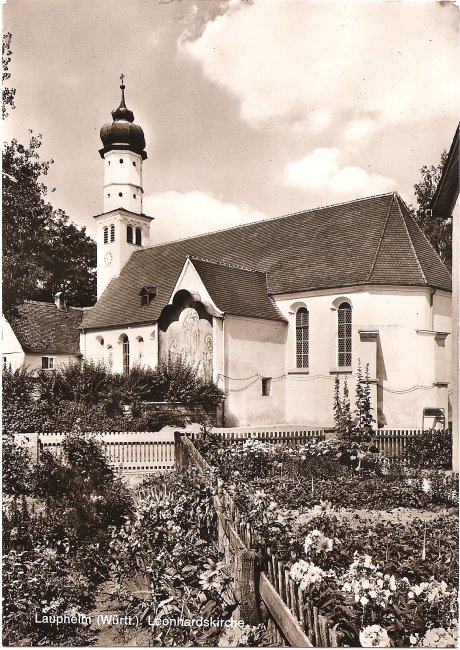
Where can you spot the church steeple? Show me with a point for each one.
(123, 153)
(122, 113)
(122, 228)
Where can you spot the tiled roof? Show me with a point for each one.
(237, 290)
(367, 241)
(43, 328)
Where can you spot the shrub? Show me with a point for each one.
(16, 468)
(431, 450)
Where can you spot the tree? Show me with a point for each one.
(43, 251)
(8, 93)
(438, 230)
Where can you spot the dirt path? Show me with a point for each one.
(116, 634)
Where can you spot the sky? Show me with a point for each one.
(250, 109)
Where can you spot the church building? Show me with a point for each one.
(274, 310)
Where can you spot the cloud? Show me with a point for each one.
(322, 171)
(315, 62)
(184, 214)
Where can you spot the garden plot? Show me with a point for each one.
(373, 546)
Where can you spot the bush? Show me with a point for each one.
(16, 468)
(89, 398)
(431, 450)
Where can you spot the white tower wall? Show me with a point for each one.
(123, 181)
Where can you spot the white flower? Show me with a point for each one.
(363, 600)
(374, 636)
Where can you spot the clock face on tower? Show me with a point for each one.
(108, 259)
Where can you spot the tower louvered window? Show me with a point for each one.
(344, 335)
(130, 234)
(302, 334)
(106, 235)
(112, 233)
(139, 236)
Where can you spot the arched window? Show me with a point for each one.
(138, 236)
(125, 343)
(344, 334)
(112, 233)
(106, 235)
(129, 234)
(140, 348)
(301, 332)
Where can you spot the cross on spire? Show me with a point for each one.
(122, 76)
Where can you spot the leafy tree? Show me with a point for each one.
(43, 252)
(7, 93)
(438, 230)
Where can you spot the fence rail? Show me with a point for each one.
(391, 441)
(131, 452)
(285, 606)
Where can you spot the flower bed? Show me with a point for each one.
(375, 547)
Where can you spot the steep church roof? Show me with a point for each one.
(42, 328)
(367, 241)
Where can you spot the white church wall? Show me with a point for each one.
(254, 349)
(105, 346)
(401, 358)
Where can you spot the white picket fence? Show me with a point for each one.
(132, 452)
(146, 452)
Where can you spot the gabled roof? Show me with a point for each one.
(43, 328)
(446, 194)
(237, 290)
(366, 241)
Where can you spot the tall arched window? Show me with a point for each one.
(112, 233)
(344, 334)
(125, 343)
(106, 235)
(129, 234)
(301, 332)
(139, 236)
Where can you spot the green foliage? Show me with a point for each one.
(43, 252)
(7, 93)
(58, 519)
(438, 230)
(430, 449)
(346, 424)
(88, 398)
(16, 467)
(168, 554)
(363, 422)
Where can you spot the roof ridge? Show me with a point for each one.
(381, 237)
(228, 264)
(269, 219)
(412, 243)
(409, 214)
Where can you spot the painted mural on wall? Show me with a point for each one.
(185, 331)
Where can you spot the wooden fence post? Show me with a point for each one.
(245, 586)
(179, 450)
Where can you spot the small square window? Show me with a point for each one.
(47, 363)
(266, 386)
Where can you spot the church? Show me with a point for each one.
(274, 311)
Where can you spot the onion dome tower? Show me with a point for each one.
(122, 228)
(123, 153)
